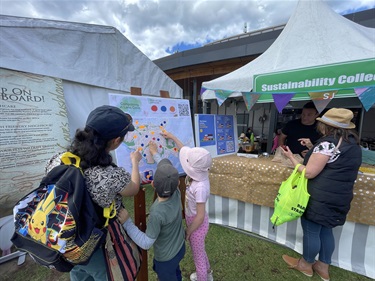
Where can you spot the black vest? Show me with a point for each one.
(331, 191)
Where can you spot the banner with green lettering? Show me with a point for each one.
(343, 77)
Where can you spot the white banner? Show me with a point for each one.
(33, 126)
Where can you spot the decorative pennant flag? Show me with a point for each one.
(322, 99)
(366, 96)
(250, 99)
(222, 95)
(281, 100)
(202, 90)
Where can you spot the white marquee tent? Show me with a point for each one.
(314, 36)
(91, 60)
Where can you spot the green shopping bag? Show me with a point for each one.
(292, 198)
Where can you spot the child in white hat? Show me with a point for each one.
(196, 163)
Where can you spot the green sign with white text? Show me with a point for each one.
(343, 76)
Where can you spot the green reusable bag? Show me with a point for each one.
(292, 198)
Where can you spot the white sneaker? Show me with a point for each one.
(193, 276)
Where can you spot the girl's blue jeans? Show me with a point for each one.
(317, 239)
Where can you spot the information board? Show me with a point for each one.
(33, 127)
(216, 133)
(151, 116)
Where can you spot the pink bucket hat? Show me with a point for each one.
(196, 162)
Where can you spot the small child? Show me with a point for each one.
(164, 226)
(196, 163)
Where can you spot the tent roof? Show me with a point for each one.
(314, 35)
(83, 53)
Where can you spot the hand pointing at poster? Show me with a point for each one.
(169, 135)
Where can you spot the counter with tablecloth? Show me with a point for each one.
(242, 196)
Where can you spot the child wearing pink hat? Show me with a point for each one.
(196, 163)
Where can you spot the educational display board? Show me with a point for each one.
(216, 133)
(151, 116)
(33, 127)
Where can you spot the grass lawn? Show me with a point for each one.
(234, 256)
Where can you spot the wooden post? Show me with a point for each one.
(136, 91)
(164, 94)
(140, 212)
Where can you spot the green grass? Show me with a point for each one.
(233, 256)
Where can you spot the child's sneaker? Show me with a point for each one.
(193, 276)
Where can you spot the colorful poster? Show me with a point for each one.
(151, 116)
(225, 134)
(33, 127)
(207, 130)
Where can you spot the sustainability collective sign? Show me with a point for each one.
(342, 76)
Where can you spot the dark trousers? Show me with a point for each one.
(170, 270)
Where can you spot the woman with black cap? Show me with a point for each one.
(331, 168)
(105, 129)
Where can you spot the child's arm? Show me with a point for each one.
(154, 151)
(140, 238)
(169, 135)
(133, 187)
(198, 220)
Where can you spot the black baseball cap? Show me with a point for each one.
(110, 122)
(165, 178)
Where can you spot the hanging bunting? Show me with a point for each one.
(366, 96)
(250, 99)
(322, 99)
(281, 100)
(202, 90)
(222, 95)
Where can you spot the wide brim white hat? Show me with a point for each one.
(196, 162)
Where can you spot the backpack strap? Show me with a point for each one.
(338, 145)
(109, 213)
(67, 158)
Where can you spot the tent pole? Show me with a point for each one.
(195, 98)
(272, 126)
(361, 118)
(252, 121)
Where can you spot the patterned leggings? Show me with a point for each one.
(202, 265)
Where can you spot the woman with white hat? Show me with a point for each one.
(331, 168)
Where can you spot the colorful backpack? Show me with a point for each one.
(58, 224)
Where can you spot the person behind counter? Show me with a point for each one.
(305, 127)
(331, 167)
(249, 132)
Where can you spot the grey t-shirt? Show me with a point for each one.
(165, 225)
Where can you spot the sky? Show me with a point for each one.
(162, 27)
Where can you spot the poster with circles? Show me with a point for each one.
(151, 116)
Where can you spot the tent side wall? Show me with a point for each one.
(89, 54)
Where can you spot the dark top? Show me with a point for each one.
(295, 130)
(331, 191)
